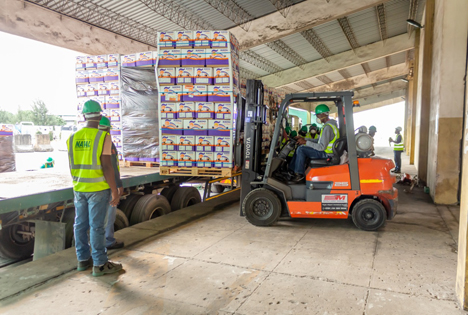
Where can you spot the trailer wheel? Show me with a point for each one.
(149, 207)
(185, 197)
(217, 189)
(13, 245)
(69, 219)
(169, 192)
(261, 207)
(128, 204)
(121, 220)
(369, 215)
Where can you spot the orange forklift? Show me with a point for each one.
(361, 188)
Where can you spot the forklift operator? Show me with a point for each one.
(320, 148)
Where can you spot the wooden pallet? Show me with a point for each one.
(195, 171)
(141, 163)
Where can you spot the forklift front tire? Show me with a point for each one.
(369, 215)
(261, 207)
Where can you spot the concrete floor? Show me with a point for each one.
(220, 264)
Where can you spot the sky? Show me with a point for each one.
(33, 70)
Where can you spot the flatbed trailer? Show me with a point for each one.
(37, 210)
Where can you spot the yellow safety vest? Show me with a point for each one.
(398, 146)
(84, 154)
(291, 154)
(329, 148)
(308, 136)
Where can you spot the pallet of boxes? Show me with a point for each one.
(198, 76)
(7, 152)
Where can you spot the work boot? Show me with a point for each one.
(107, 268)
(83, 265)
(396, 171)
(117, 244)
(297, 178)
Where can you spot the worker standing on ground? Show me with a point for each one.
(398, 147)
(372, 131)
(89, 153)
(320, 148)
(111, 242)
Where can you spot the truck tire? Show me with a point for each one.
(127, 205)
(12, 244)
(121, 220)
(217, 188)
(185, 197)
(169, 192)
(149, 207)
(369, 215)
(69, 219)
(261, 207)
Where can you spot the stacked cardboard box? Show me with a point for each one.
(198, 78)
(7, 153)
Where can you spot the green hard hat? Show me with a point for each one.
(372, 128)
(288, 130)
(314, 125)
(304, 129)
(322, 108)
(49, 160)
(105, 122)
(91, 107)
(293, 134)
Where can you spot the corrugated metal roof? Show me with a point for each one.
(377, 64)
(365, 26)
(397, 14)
(298, 43)
(333, 37)
(398, 58)
(335, 76)
(355, 70)
(272, 56)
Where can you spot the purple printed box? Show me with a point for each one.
(169, 110)
(169, 143)
(101, 100)
(129, 60)
(173, 127)
(112, 102)
(195, 127)
(168, 158)
(103, 89)
(80, 63)
(219, 93)
(6, 130)
(184, 76)
(223, 111)
(202, 39)
(186, 158)
(205, 159)
(235, 77)
(219, 128)
(102, 61)
(193, 57)
(144, 59)
(171, 93)
(81, 77)
(81, 91)
(186, 110)
(186, 143)
(166, 76)
(114, 114)
(204, 143)
(117, 140)
(96, 76)
(170, 58)
(222, 76)
(203, 76)
(219, 39)
(195, 93)
(91, 90)
(111, 75)
(217, 57)
(222, 144)
(184, 39)
(113, 60)
(91, 62)
(166, 40)
(205, 110)
(116, 128)
(114, 88)
(222, 160)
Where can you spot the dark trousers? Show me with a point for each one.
(397, 158)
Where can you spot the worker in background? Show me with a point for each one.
(111, 242)
(372, 131)
(313, 132)
(94, 188)
(49, 163)
(303, 132)
(320, 148)
(398, 147)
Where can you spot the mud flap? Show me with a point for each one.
(49, 238)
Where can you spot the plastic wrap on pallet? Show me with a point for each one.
(140, 124)
(7, 154)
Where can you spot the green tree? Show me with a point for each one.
(41, 116)
(23, 115)
(7, 117)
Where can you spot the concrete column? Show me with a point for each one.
(405, 130)
(408, 115)
(414, 87)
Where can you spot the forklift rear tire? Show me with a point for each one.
(149, 207)
(261, 207)
(169, 192)
(121, 220)
(369, 215)
(185, 197)
(128, 204)
(12, 243)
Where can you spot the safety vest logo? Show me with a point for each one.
(82, 145)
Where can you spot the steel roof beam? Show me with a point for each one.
(379, 99)
(317, 43)
(324, 79)
(413, 9)
(366, 68)
(382, 19)
(247, 74)
(344, 73)
(258, 61)
(341, 61)
(287, 52)
(283, 6)
(233, 12)
(348, 32)
(307, 14)
(304, 85)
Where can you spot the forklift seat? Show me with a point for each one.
(338, 148)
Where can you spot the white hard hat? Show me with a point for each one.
(399, 128)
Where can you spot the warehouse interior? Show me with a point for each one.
(415, 51)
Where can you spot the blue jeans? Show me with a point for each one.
(110, 240)
(91, 213)
(397, 156)
(303, 152)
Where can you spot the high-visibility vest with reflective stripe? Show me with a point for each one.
(291, 154)
(84, 153)
(308, 136)
(329, 148)
(398, 146)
